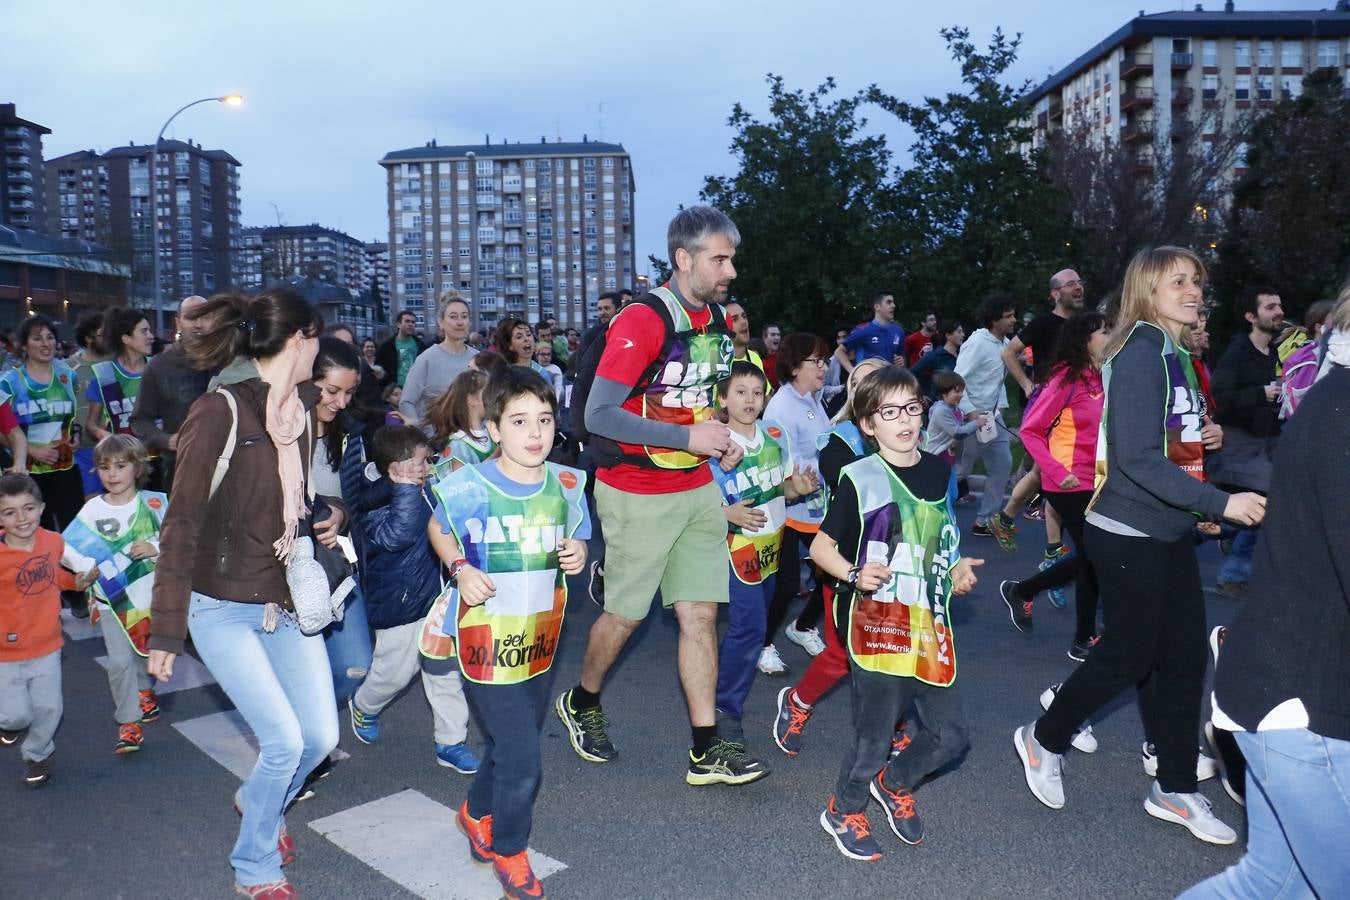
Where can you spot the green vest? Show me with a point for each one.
(464, 449)
(903, 628)
(759, 479)
(123, 583)
(512, 637)
(117, 389)
(46, 412)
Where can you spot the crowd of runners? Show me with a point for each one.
(326, 519)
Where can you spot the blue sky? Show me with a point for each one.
(331, 87)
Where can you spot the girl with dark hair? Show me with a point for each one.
(1139, 534)
(335, 468)
(40, 392)
(227, 540)
(460, 436)
(1060, 433)
(801, 363)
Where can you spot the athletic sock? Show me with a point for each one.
(1003, 519)
(1053, 549)
(797, 698)
(584, 699)
(703, 738)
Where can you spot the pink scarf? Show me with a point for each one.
(286, 421)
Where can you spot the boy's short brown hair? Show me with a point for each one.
(875, 388)
(18, 485)
(946, 382)
(395, 443)
(123, 448)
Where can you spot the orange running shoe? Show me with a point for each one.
(479, 833)
(129, 737)
(516, 876)
(149, 707)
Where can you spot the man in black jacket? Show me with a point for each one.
(1247, 394)
(397, 353)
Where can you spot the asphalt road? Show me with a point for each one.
(159, 823)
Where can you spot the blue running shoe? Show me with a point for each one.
(1057, 595)
(365, 726)
(458, 757)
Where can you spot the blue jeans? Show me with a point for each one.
(349, 647)
(1298, 804)
(739, 651)
(280, 683)
(508, 776)
(1237, 566)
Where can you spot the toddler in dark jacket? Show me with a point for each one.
(400, 577)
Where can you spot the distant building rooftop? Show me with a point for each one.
(169, 146)
(1314, 23)
(58, 253)
(432, 150)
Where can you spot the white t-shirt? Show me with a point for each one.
(111, 521)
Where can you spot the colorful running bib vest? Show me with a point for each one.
(467, 449)
(683, 391)
(904, 627)
(1182, 418)
(45, 412)
(759, 479)
(123, 583)
(512, 637)
(117, 390)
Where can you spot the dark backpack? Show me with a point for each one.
(607, 452)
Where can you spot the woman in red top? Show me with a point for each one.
(1060, 433)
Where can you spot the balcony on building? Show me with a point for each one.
(1136, 131)
(1136, 96)
(1181, 96)
(1182, 60)
(1135, 64)
(512, 183)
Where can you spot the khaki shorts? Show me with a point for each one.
(675, 542)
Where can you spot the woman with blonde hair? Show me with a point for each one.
(1150, 491)
(437, 366)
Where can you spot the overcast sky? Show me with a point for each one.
(330, 87)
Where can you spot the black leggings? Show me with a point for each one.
(1154, 640)
(63, 493)
(796, 545)
(1072, 507)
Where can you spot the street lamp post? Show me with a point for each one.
(228, 100)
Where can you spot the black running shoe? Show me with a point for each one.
(1232, 764)
(596, 589)
(725, 762)
(586, 729)
(1019, 610)
(900, 812)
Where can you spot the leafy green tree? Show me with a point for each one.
(974, 213)
(1291, 208)
(805, 201)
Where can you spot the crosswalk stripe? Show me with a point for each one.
(411, 839)
(227, 739)
(188, 673)
(78, 629)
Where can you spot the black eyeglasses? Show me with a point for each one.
(816, 361)
(890, 412)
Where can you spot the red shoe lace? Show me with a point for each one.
(903, 800)
(858, 824)
(148, 701)
(899, 744)
(131, 733)
(1026, 607)
(799, 716)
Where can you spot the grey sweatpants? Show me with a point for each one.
(127, 674)
(395, 662)
(30, 697)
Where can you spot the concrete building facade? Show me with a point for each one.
(22, 192)
(525, 230)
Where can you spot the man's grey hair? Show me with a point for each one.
(691, 228)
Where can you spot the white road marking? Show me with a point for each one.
(188, 673)
(227, 739)
(411, 839)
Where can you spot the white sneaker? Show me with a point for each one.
(1044, 770)
(807, 638)
(770, 663)
(1084, 741)
(1205, 766)
(1191, 810)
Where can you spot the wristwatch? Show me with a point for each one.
(851, 579)
(455, 568)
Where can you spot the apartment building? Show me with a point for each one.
(277, 252)
(375, 279)
(23, 205)
(1169, 76)
(106, 197)
(529, 230)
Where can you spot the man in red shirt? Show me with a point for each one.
(921, 341)
(650, 415)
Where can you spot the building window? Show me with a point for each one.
(1290, 87)
(1242, 53)
(462, 166)
(1265, 54)
(483, 168)
(1264, 86)
(1327, 53)
(1209, 53)
(1291, 55)
(1242, 88)
(1209, 87)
